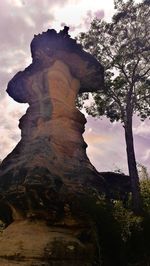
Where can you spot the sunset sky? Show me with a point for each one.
(19, 21)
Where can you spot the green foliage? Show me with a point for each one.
(124, 238)
(145, 193)
(143, 172)
(126, 219)
(122, 46)
(80, 100)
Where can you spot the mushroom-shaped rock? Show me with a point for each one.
(52, 151)
(52, 127)
(46, 176)
(46, 49)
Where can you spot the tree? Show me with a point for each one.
(143, 172)
(123, 47)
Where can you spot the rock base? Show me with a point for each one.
(34, 243)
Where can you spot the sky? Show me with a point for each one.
(19, 21)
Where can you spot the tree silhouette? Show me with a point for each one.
(123, 47)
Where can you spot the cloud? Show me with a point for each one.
(95, 138)
(10, 133)
(86, 21)
(106, 147)
(142, 128)
(106, 144)
(20, 20)
(90, 15)
(146, 156)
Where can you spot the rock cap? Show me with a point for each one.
(48, 47)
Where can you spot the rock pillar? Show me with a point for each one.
(53, 126)
(44, 180)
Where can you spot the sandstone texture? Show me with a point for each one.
(35, 243)
(43, 180)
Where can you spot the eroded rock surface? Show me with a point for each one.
(35, 243)
(49, 169)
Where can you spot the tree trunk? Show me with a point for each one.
(132, 166)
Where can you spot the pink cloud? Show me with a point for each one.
(18, 25)
(90, 15)
(107, 149)
(99, 14)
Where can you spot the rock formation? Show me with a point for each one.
(43, 180)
